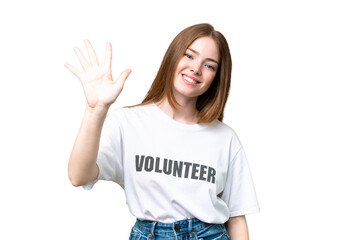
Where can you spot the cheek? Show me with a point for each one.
(178, 69)
(181, 65)
(210, 77)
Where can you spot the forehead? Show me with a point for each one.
(207, 47)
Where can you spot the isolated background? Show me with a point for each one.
(294, 103)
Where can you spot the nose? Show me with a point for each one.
(195, 68)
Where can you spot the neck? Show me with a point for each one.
(186, 112)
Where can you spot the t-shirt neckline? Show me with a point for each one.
(161, 114)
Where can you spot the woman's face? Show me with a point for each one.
(197, 68)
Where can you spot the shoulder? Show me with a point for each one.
(229, 133)
(225, 128)
(125, 115)
(125, 111)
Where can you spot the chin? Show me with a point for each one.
(189, 95)
(185, 93)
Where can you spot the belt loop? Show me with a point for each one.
(190, 224)
(153, 229)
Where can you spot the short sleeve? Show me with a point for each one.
(239, 191)
(109, 159)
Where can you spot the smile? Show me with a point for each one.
(189, 80)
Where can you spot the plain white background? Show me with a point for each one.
(294, 103)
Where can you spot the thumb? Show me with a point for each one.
(121, 79)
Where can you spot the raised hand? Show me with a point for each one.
(99, 87)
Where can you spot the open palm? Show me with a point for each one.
(99, 87)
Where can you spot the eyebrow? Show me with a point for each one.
(196, 52)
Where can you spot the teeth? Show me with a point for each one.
(189, 79)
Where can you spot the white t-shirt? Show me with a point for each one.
(172, 171)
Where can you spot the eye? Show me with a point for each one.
(188, 56)
(210, 67)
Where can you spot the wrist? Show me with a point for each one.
(98, 111)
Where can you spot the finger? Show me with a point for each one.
(92, 55)
(108, 57)
(84, 63)
(123, 76)
(72, 69)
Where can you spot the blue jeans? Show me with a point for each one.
(189, 229)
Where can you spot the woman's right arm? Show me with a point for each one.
(82, 167)
(100, 92)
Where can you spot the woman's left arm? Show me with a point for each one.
(237, 228)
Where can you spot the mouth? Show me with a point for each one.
(190, 80)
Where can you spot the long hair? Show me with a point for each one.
(210, 104)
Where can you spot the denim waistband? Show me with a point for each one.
(178, 227)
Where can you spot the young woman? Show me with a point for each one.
(184, 171)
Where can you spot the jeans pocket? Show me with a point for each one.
(212, 232)
(134, 236)
(226, 232)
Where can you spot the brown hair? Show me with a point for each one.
(210, 104)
